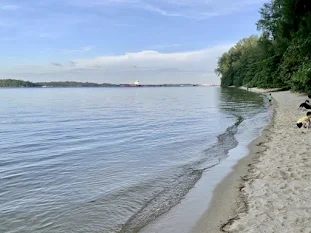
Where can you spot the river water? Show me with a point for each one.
(112, 160)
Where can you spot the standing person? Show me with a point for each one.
(270, 98)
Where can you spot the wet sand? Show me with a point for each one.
(268, 191)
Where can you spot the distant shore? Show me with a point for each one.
(14, 83)
(268, 190)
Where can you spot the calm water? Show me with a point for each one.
(111, 159)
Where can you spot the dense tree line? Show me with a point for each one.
(22, 83)
(280, 56)
(73, 84)
(16, 83)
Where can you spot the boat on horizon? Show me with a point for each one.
(135, 84)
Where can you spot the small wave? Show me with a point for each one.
(174, 192)
(162, 202)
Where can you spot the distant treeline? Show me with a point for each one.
(280, 56)
(17, 83)
(22, 83)
(74, 84)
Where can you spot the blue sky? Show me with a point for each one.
(120, 41)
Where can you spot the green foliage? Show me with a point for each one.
(16, 83)
(302, 78)
(73, 84)
(64, 84)
(21, 83)
(280, 57)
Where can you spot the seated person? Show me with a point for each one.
(304, 121)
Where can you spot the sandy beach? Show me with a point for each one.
(269, 190)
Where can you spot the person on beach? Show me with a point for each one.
(304, 121)
(270, 98)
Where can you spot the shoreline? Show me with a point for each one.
(189, 209)
(269, 190)
(227, 200)
(277, 188)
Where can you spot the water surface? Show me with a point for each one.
(111, 159)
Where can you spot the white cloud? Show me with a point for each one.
(84, 49)
(199, 59)
(200, 9)
(160, 11)
(147, 66)
(193, 9)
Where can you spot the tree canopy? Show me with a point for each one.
(280, 56)
(22, 83)
(16, 83)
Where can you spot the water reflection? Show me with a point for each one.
(239, 102)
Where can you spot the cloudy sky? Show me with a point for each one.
(120, 41)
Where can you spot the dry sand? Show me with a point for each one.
(270, 190)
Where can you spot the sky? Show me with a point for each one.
(120, 41)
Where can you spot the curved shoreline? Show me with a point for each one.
(228, 201)
(225, 142)
(277, 188)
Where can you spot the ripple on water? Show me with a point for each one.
(109, 160)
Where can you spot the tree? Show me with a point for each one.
(280, 57)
